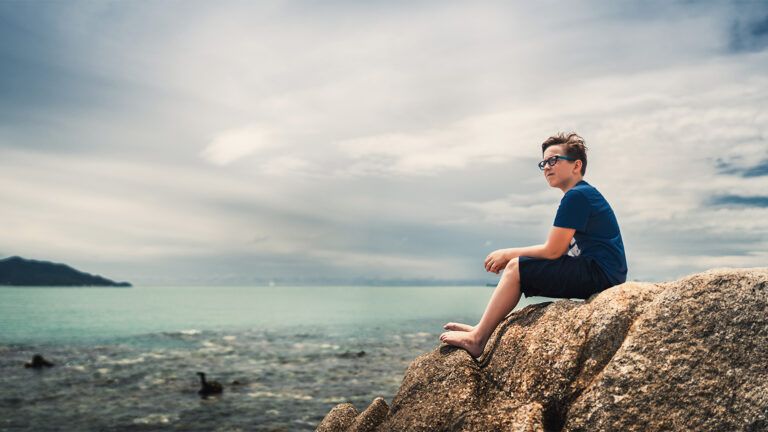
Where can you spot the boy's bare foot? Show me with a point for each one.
(458, 327)
(467, 340)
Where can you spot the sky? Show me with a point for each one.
(205, 143)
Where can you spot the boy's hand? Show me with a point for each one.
(497, 260)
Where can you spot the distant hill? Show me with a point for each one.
(17, 271)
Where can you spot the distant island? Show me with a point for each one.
(18, 271)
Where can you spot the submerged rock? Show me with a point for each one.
(348, 354)
(682, 355)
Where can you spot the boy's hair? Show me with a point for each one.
(573, 145)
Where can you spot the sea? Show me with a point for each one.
(125, 359)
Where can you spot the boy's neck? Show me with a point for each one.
(571, 184)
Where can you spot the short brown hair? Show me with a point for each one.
(573, 145)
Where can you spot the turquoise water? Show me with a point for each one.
(285, 355)
(66, 315)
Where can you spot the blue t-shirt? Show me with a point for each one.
(597, 231)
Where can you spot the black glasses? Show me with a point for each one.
(553, 160)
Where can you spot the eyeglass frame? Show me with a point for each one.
(554, 160)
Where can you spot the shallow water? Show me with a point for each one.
(126, 358)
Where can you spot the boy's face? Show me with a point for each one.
(563, 171)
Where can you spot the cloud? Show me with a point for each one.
(231, 145)
(286, 166)
(494, 138)
(737, 200)
(286, 139)
(750, 33)
(738, 166)
(761, 169)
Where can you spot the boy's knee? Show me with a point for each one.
(512, 268)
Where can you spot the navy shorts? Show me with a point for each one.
(564, 277)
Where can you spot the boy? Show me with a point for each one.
(595, 260)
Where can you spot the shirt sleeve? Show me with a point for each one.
(573, 212)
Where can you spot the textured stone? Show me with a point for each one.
(695, 360)
(340, 418)
(371, 417)
(683, 355)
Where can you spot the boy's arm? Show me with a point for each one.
(557, 244)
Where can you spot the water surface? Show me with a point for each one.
(126, 358)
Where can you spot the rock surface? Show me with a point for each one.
(340, 418)
(683, 355)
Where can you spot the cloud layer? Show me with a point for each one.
(238, 143)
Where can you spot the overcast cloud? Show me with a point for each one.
(232, 142)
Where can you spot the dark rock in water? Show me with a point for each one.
(17, 271)
(208, 388)
(348, 354)
(682, 355)
(236, 383)
(38, 362)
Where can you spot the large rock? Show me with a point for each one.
(683, 355)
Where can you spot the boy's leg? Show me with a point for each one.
(505, 297)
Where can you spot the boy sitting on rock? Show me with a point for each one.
(583, 255)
